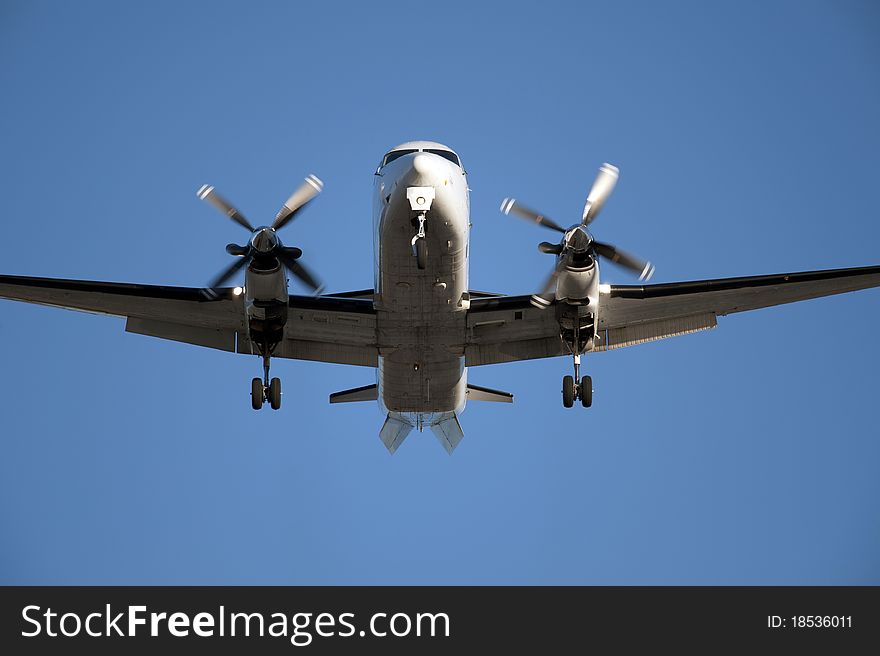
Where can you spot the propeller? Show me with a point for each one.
(207, 194)
(307, 191)
(509, 205)
(221, 278)
(599, 193)
(624, 259)
(264, 245)
(576, 239)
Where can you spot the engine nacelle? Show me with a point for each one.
(578, 285)
(266, 304)
(266, 285)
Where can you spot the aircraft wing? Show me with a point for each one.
(340, 329)
(506, 329)
(328, 329)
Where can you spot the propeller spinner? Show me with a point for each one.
(264, 242)
(576, 239)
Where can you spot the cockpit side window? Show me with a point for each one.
(395, 154)
(446, 154)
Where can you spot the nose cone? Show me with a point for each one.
(264, 240)
(427, 170)
(422, 164)
(579, 239)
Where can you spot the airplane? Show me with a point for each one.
(420, 326)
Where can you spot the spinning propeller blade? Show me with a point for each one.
(310, 188)
(643, 269)
(300, 271)
(207, 194)
(224, 276)
(509, 205)
(599, 193)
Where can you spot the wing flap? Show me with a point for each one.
(640, 333)
(223, 339)
(503, 351)
(508, 329)
(340, 330)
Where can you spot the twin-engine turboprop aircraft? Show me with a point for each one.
(420, 326)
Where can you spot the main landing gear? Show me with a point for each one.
(265, 389)
(572, 390)
(577, 332)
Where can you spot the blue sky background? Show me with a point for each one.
(748, 142)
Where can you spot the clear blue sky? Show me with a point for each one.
(748, 142)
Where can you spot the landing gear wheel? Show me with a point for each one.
(257, 393)
(422, 253)
(275, 393)
(586, 391)
(568, 391)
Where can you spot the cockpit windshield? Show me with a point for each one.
(445, 154)
(395, 154)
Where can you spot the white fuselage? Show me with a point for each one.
(420, 312)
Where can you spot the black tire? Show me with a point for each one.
(586, 391)
(421, 253)
(257, 393)
(568, 391)
(275, 393)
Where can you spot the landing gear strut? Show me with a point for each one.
(575, 387)
(265, 389)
